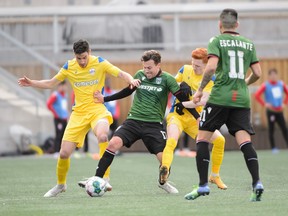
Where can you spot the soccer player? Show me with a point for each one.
(274, 90)
(146, 114)
(176, 123)
(230, 56)
(86, 74)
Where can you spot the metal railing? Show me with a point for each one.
(177, 13)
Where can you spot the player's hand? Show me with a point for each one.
(98, 97)
(197, 96)
(24, 82)
(179, 108)
(135, 83)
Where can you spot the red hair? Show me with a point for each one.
(200, 53)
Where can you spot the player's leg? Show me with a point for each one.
(153, 135)
(58, 136)
(73, 136)
(282, 124)
(173, 133)
(101, 131)
(217, 155)
(271, 124)
(63, 165)
(239, 125)
(251, 159)
(212, 118)
(126, 135)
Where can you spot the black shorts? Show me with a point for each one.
(152, 134)
(214, 116)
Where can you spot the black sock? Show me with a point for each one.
(104, 163)
(251, 160)
(202, 161)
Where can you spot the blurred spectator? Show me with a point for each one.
(274, 102)
(57, 103)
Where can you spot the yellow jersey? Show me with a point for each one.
(187, 74)
(85, 81)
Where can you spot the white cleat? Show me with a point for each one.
(59, 188)
(84, 182)
(168, 188)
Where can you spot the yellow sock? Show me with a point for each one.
(102, 149)
(63, 166)
(217, 154)
(168, 153)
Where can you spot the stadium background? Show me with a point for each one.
(36, 38)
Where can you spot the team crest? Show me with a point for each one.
(158, 80)
(209, 109)
(92, 71)
(143, 78)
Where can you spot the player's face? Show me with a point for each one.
(151, 69)
(82, 59)
(273, 77)
(198, 66)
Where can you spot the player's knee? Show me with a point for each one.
(115, 144)
(102, 138)
(64, 154)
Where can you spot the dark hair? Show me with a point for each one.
(151, 54)
(81, 46)
(273, 70)
(62, 83)
(229, 18)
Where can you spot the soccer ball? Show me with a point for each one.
(95, 186)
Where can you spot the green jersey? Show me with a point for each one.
(150, 99)
(236, 54)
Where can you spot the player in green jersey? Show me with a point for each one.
(146, 114)
(230, 56)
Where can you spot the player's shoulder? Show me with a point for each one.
(215, 38)
(167, 75)
(97, 59)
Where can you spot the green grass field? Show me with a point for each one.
(24, 180)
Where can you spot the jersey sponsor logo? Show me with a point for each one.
(150, 88)
(92, 71)
(87, 83)
(158, 80)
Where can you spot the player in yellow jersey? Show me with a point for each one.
(179, 119)
(86, 74)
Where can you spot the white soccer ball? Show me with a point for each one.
(95, 186)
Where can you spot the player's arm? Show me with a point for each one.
(259, 93)
(129, 79)
(255, 75)
(286, 92)
(119, 95)
(51, 100)
(203, 101)
(208, 73)
(44, 84)
(179, 107)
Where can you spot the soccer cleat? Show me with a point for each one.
(59, 188)
(163, 175)
(257, 192)
(168, 188)
(217, 180)
(198, 191)
(82, 183)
